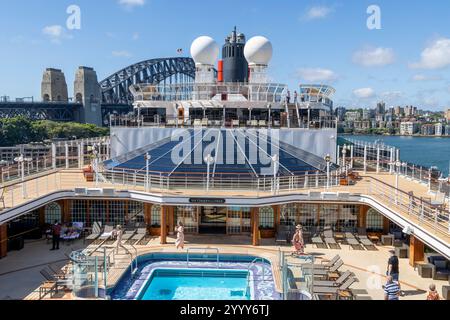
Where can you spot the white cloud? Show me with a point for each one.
(122, 54)
(373, 57)
(130, 4)
(317, 75)
(56, 33)
(436, 56)
(422, 77)
(317, 12)
(364, 93)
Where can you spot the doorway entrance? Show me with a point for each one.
(213, 220)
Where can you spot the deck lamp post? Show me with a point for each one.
(405, 166)
(429, 180)
(209, 161)
(328, 160)
(147, 158)
(398, 165)
(275, 160)
(344, 160)
(96, 153)
(21, 162)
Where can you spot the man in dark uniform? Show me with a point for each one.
(56, 234)
(393, 269)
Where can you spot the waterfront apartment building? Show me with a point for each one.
(427, 130)
(353, 116)
(439, 129)
(409, 128)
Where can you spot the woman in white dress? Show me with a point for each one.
(180, 236)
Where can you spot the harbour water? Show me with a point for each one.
(424, 151)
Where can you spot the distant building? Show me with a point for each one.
(438, 129)
(447, 130)
(367, 114)
(447, 115)
(353, 116)
(427, 130)
(399, 111)
(408, 128)
(340, 113)
(410, 111)
(381, 108)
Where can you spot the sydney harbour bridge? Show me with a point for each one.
(115, 94)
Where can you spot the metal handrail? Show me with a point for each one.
(214, 249)
(253, 263)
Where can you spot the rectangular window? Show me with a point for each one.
(188, 216)
(328, 215)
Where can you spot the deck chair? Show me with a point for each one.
(139, 236)
(50, 278)
(2, 197)
(318, 242)
(96, 232)
(344, 277)
(326, 264)
(328, 233)
(334, 290)
(332, 243)
(334, 268)
(60, 274)
(107, 233)
(367, 243)
(235, 123)
(354, 244)
(205, 122)
(128, 234)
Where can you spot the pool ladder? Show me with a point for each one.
(253, 263)
(204, 249)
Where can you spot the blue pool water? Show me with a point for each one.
(196, 285)
(166, 276)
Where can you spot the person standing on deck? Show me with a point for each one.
(393, 266)
(391, 289)
(180, 236)
(298, 242)
(119, 234)
(56, 235)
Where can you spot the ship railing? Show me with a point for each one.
(228, 121)
(422, 210)
(378, 157)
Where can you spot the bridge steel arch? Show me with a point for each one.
(115, 88)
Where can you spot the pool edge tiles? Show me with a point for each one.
(130, 289)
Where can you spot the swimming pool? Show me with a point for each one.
(163, 276)
(198, 284)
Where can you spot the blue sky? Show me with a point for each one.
(406, 62)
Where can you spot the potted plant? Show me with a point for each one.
(267, 232)
(155, 230)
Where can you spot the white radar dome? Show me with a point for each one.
(258, 51)
(204, 50)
